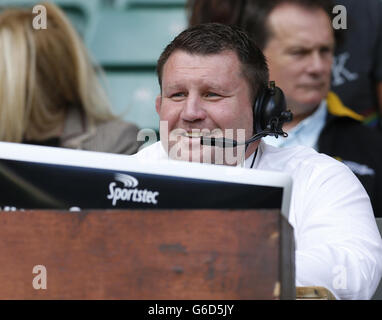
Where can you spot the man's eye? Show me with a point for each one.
(326, 50)
(297, 53)
(178, 95)
(211, 95)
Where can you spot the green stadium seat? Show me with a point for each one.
(82, 13)
(132, 95)
(127, 43)
(135, 37)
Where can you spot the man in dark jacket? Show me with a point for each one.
(298, 40)
(300, 55)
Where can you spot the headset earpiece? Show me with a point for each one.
(269, 111)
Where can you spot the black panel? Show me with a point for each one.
(27, 185)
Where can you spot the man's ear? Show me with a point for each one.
(158, 103)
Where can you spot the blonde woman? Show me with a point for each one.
(49, 90)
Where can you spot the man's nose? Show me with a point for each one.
(316, 64)
(193, 109)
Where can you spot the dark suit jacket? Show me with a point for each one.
(358, 146)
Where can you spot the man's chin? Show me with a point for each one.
(312, 97)
(305, 106)
(191, 151)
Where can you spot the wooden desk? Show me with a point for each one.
(135, 254)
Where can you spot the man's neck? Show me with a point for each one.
(297, 119)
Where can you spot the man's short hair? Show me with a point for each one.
(250, 15)
(214, 38)
(256, 13)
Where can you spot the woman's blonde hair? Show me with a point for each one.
(42, 74)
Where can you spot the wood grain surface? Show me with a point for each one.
(138, 254)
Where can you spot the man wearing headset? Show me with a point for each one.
(298, 40)
(213, 83)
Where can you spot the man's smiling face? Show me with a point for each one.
(202, 94)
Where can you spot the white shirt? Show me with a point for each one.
(338, 245)
(305, 133)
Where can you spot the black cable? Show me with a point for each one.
(254, 157)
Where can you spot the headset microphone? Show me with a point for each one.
(229, 143)
(269, 115)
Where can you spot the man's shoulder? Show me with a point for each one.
(343, 124)
(312, 172)
(344, 129)
(291, 159)
(154, 151)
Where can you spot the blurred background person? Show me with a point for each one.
(298, 41)
(49, 90)
(357, 68)
(357, 64)
(220, 11)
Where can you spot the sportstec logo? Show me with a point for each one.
(129, 191)
(128, 181)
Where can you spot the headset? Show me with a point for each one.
(269, 115)
(270, 112)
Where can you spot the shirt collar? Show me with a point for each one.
(306, 132)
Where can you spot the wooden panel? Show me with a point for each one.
(165, 254)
